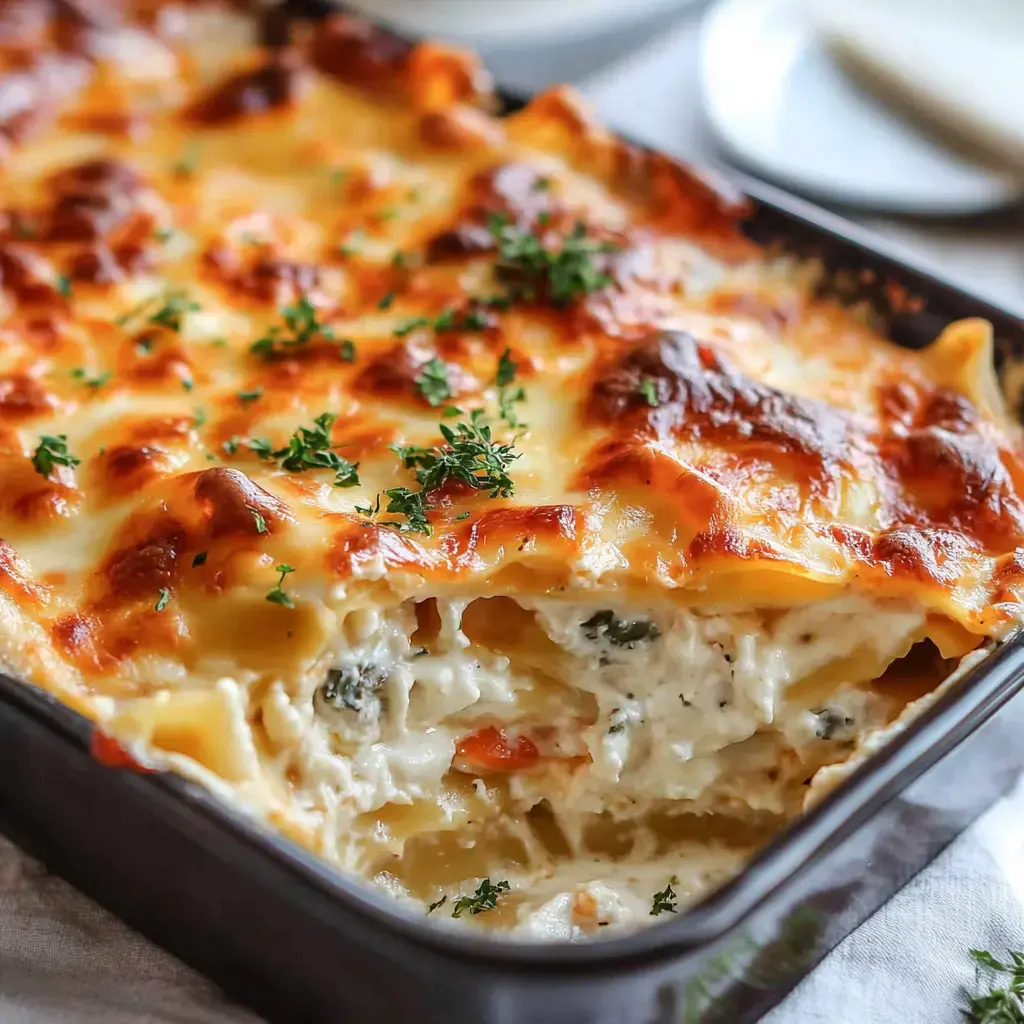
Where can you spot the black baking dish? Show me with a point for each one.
(295, 940)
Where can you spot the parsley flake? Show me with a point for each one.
(387, 301)
(257, 518)
(437, 903)
(245, 397)
(199, 418)
(647, 389)
(62, 283)
(52, 451)
(560, 276)
(199, 560)
(433, 381)
(507, 394)
(347, 350)
(80, 373)
(310, 449)
(231, 444)
(666, 901)
(277, 595)
(485, 898)
(163, 598)
(301, 323)
(469, 454)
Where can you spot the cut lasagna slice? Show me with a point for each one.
(466, 497)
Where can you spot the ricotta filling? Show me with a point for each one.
(605, 722)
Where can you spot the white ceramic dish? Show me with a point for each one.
(780, 105)
(514, 22)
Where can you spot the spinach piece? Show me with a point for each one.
(603, 625)
(353, 687)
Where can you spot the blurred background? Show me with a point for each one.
(904, 115)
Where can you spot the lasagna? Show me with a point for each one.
(464, 496)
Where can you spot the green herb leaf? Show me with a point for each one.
(163, 597)
(277, 595)
(245, 397)
(310, 448)
(387, 301)
(485, 898)
(647, 389)
(63, 285)
(603, 625)
(347, 350)
(257, 518)
(666, 901)
(433, 381)
(199, 418)
(231, 444)
(1004, 1002)
(449, 319)
(185, 165)
(508, 395)
(199, 560)
(353, 244)
(559, 276)
(301, 325)
(353, 687)
(437, 903)
(96, 382)
(52, 451)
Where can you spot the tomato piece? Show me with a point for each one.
(109, 752)
(490, 750)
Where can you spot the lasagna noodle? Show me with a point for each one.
(715, 535)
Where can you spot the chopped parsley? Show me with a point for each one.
(309, 449)
(62, 283)
(199, 560)
(1003, 1004)
(437, 903)
(469, 454)
(245, 397)
(277, 595)
(666, 901)
(353, 244)
(175, 304)
(347, 350)
(52, 451)
(199, 418)
(433, 381)
(387, 301)
(603, 625)
(507, 394)
(449, 319)
(231, 444)
(257, 518)
(185, 165)
(353, 687)
(301, 324)
(163, 235)
(559, 276)
(647, 389)
(163, 598)
(187, 383)
(831, 723)
(387, 213)
(80, 373)
(485, 898)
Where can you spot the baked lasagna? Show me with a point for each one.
(464, 496)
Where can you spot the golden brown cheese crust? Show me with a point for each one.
(699, 422)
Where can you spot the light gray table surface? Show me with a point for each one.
(65, 961)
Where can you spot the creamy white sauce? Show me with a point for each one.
(688, 709)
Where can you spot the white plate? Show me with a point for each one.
(512, 22)
(777, 101)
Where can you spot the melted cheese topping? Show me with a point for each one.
(733, 509)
